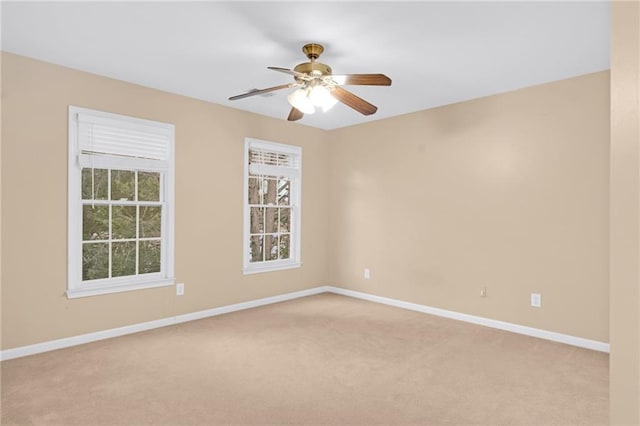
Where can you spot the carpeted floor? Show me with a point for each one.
(324, 359)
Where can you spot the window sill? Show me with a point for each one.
(259, 268)
(96, 291)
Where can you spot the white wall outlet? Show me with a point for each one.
(367, 274)
(180, 289)
(536, 300)
(483, 292)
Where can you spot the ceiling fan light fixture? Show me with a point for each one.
(300, 100)
(321, 97)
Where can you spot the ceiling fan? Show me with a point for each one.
(316, 86)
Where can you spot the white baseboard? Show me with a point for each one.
(135, 328)
(515, 328)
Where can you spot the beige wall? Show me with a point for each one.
(208, 225)
(508, 192)
(625, 214)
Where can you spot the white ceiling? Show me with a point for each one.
(436, 53)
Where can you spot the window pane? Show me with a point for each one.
(254, 191)
(95, 261)
(271, 247)
(255, 247)
(148, 186)
(271, 220)
(257, 220)
(150, 221)
(285, 220)
(269, 202)
(95, 223)
(123, 222)
(95, 185)
(284, 188)
(149, 256)
(270, 191)
(123, 259)
(284, 246)
(122, 185)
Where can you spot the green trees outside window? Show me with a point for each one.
(121, 223)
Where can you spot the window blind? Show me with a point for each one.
(131, 144)
(274, 163)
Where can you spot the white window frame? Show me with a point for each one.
(76, 287)
(295, 202)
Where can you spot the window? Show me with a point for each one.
(120, 217)
(271, 206)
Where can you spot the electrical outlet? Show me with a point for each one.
(483, 292)
(367, 274)
(180, 289)
(536, 300)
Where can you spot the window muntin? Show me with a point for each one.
(120, 203)
(121, 227)
(270, 218)
(272, 208)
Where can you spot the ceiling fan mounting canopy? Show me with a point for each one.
(317, 86)
(313, 50)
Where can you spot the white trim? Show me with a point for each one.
(273, 146)
(168, 191)
(487, 322)
(98, 290)
(270, 266)
(135, 328)
(121, 163)
(295, 202)
(74, 203)
(165, 165)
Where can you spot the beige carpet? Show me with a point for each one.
(324, 359)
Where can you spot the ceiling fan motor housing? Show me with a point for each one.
(313, 69)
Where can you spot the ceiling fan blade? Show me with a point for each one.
(362, 79)
(353, 101)
(261, 91)
(291, 72)
(295, 114)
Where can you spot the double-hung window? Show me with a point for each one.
(272, 206)
(120, 203)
